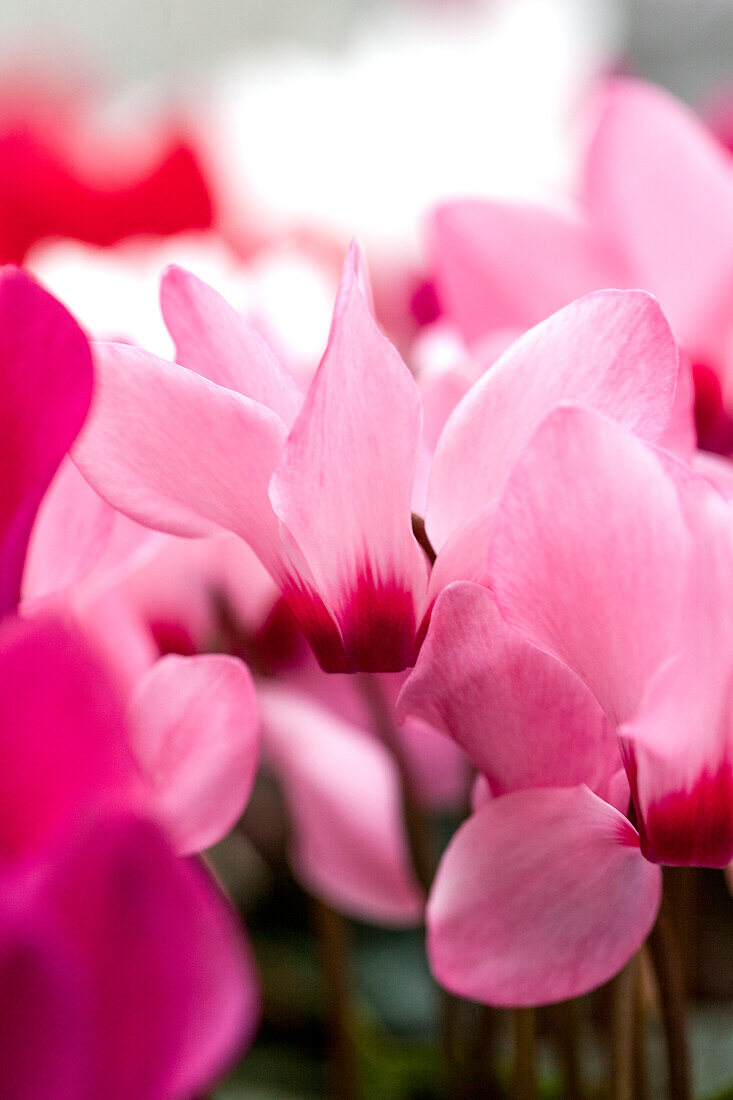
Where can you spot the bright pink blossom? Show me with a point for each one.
(326, 500)
(122, 963)
(321, 492)
(614, 560)
(638, 222)
(47, 386)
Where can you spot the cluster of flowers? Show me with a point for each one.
(513, 562)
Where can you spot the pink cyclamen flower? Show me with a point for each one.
(615, 560)
(638, 222)
(123, 964)
(322, 487)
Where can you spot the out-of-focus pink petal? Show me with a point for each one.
(716, 470)
(343, 796)
(648, 165)
(177, 452)
(195, 733)
(523, 717)
(64, 743)
(175, 996)
(542, 895)
(46, 374)
(216, 341)
(680, 435)
(343, 492)
(590, 553)
(44, 1048)
(71, 532)
(679, 747)
(502, 265)
(119, 635)
(612, 351)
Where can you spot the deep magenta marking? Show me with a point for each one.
(688, 828)
(375, 632)
(713, 422)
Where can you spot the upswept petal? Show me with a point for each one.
(343, 493)
(177, 452)
(47, 387)
(542, 895)
(649, 163)
(216, 341)
(195, 734)
(590, 554)
(612, 351)
(343, 795)
(510, 265)
(523, 717)
(679, 747)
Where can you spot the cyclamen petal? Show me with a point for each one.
(177, 452)
(196, 737)
(648, 165)
(503, 265)
(64, 745)
(590, 554)
(343, 492)
(611, 351)
(541, 896)
(73, 529)
(343, 796)
(45, 995)
(172, 987)
(523, 717)
(216, 341)
(679, 746)
(46, 374)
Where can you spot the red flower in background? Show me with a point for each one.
(60, 176)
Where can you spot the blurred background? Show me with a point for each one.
(327, 119)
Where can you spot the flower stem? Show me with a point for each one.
(524, 1071)
(670, 984)
(335, 966)
(622, 1032)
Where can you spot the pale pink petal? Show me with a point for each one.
(119, 635)
(46, 375)
(465, 554)
(679, 747)
(590, 552)
(649, 164)
(64, 742)
(612, 351)
(502, 265)
(523, 718)
(216, 341)
(71, 532)
(541, 896)
(343, 797)
(176, 452)
(195, 734)
(718, 471)
(343, 492)
(175, 995)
